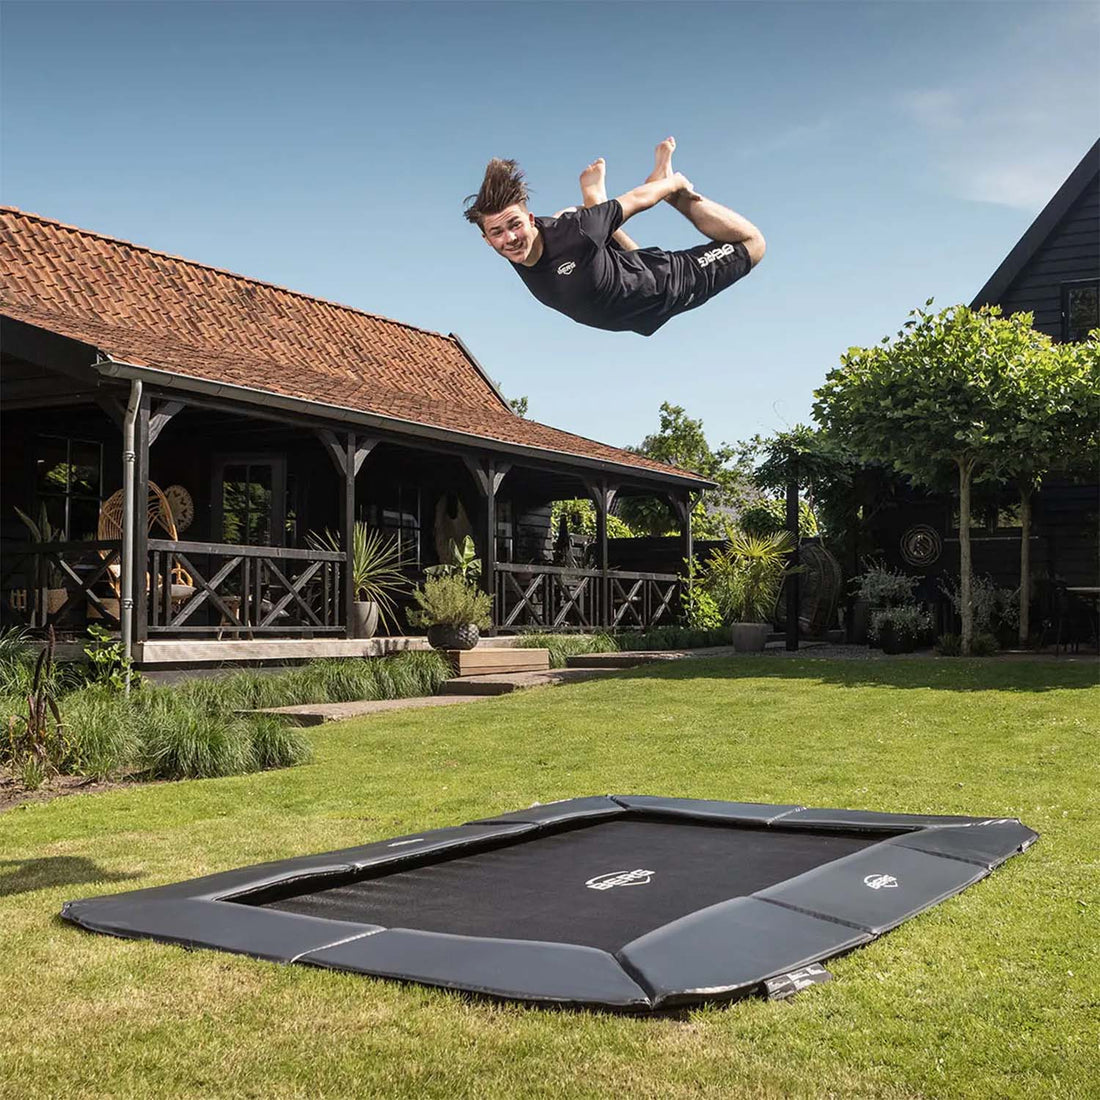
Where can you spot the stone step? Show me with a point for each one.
(505, 683)
(486, 660)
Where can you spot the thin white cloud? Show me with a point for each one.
(1010, 132)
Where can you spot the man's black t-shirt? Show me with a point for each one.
(584, 274)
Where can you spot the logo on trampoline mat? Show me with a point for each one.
(567, 268)
(880, 882)
(619, 878)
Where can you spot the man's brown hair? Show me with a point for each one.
(502, 187)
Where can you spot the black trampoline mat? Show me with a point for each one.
(548, 888)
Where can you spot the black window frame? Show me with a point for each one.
(68, 496)
(1067, 288)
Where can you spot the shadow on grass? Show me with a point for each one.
(956, 674)
(22, 876)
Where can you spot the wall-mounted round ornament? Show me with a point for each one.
(183, 507)
(921, 545)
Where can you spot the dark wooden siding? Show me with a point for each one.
(1070, 253)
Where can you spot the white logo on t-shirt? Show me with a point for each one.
(715, 254)
(566, 268)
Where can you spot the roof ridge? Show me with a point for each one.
(5, 208)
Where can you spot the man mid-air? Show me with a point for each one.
(581, 263)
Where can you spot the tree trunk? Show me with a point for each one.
(1025, 563)
(966, 608)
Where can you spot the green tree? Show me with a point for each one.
(680, 441)
(942, 395)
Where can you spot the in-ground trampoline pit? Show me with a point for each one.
(632, 903)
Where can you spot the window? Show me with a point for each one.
(990, 519)
(249, 495)
(68, 481)
(1080, 309)
(398, 513)
(505, 549)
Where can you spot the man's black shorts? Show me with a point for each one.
(697, 274)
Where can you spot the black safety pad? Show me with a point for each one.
(877, 888)
(869, 820)
(988, 843)
(731, 948)
(524, 969)
(752, 813)
(266, 934)
(601, 885)
(552, 813)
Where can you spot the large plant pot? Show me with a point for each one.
(364, 619)
(448, 636)
(893, 642)
(749, 637)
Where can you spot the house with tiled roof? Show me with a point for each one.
(250, 417)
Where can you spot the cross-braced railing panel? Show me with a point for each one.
(246, 590)
(556, 598)
(60, 584)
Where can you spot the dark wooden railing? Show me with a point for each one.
(60, 583)
(244, 590)
(558, 598)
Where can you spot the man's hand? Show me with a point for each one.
(649, 194)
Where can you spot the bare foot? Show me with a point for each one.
(662, 161)
(593, 188)
(662, 169)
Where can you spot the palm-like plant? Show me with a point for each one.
(745, 577)
(375, 566)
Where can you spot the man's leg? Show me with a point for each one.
(594, 191)
(714, 221)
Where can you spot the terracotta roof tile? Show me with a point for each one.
(152, 309)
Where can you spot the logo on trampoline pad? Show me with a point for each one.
(619, 878)
(567, 268)
(880, 882)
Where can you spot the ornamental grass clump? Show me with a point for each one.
(563, 646)
(183, 742)
(104, 738)
(277, 744)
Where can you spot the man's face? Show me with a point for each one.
(512, 232)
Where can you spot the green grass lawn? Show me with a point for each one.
(994, 993)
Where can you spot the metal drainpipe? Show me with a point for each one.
(126, 600)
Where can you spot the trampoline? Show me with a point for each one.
(632, 903)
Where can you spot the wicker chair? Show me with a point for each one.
(159, 515)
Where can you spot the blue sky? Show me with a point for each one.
(890, 152)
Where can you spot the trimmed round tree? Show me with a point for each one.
(944, 394)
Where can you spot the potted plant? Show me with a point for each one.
(44, 532)
(375, 575)
(453, 610)
(745, 578)
(898, 629)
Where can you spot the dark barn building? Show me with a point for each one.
(1054, 273)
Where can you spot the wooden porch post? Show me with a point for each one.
(141, 575)
(683, 506)
(792, 581)
(488, 473)
(347, 516)
(603, 496)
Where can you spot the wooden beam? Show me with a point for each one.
(114, 408)
(140, 564)
(364, 444)
(792, 581)
(348, 516)
(335, 450)
(159, 419)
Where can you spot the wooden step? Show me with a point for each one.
(485, 660)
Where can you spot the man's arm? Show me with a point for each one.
(649, 194)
